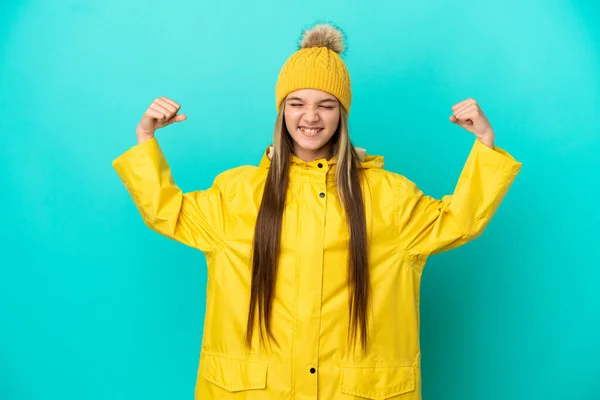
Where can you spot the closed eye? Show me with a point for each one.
(300, 105)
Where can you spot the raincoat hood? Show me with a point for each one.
(366, 161)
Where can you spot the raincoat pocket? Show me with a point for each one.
(235, 375)
(378, 381)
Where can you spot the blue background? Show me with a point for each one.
(94, 305)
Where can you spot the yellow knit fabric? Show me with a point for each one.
(315, 68)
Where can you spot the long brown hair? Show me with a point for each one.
(267, 231)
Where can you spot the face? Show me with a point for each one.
(311, 117)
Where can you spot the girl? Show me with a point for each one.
(315, 255)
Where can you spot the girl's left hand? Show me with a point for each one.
(469, 116)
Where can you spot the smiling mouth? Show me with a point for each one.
(310, 131)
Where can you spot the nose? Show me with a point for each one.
(311, 116)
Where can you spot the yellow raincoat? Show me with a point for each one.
(310, 310)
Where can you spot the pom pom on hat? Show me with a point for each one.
(323, 35)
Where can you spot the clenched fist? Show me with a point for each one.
(162, 112)
(468, 115)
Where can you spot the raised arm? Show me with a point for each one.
(193, 218)
(428, 225)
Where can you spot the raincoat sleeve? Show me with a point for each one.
(193, 218)
(429, 226)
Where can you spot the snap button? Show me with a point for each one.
(321, 195)
(320, 165)
(312, 370)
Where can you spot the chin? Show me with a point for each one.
(313, 143)
(309, 144)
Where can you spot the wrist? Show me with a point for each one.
(487, 138)
(144, 136)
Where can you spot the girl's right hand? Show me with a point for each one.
(162, 112)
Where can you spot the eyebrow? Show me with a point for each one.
(299, 99)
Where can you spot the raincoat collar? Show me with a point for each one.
(367, 161)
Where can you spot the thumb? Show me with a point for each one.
(178, 118)
(453, 119)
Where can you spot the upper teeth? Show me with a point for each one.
(307, 130)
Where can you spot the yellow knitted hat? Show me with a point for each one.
(317, 65)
